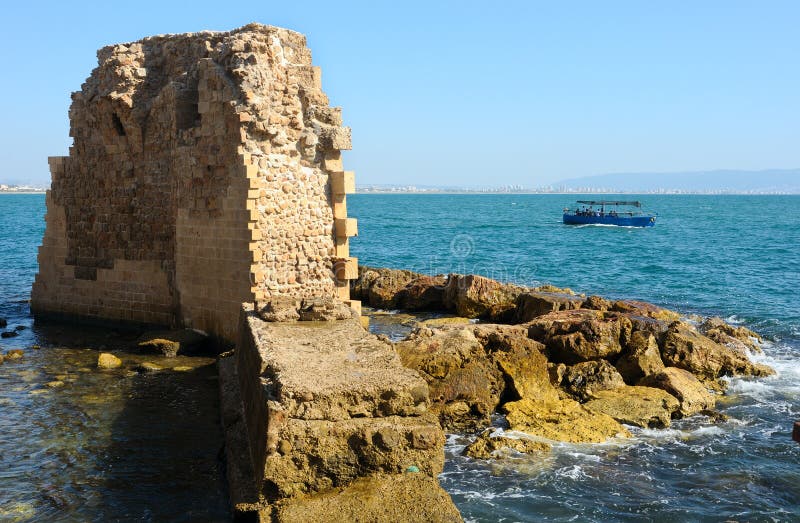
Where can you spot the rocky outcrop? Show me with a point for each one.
(474, 296)
(379, 287)
(688, 349)
(465, 384)
(693, 396)
(173, 342)
(491, 444)
(562, 420)
(642, 358)
(585, 380)
(530, 305)
(640, 406)
(738, 338)
(329, 413)
(573, 336)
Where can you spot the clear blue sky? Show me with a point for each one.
(467, 92)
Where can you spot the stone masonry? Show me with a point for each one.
(205, 172)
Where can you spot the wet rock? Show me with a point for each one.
(686, 348)
(641, 358)
(474, 296)
(9, 334)
(421, 294)
(737, 338)
(491, 444)
(573, 336)
(379, 287)
(54, 384)
(2, 359)
(14, 354)
(641, 308)
(324, 309)
(108, 361)
(693, 395)
(171, 343)
(20, 328)
(714, 416)
(640, 406)
(584, 380)
(278, 308)
(147, 367)
(465, 386)
(413, 498)
(530, 305)
(3, 322)
(182, 368)
(562, 420)
(445, 322)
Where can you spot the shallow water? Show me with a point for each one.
(733, 256)
(81, 444)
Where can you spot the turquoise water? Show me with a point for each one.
(116, 446)
(733, 256)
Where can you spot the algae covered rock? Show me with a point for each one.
(108, 361)
(562, 420)
(491, 444)
(584, 380)
(640, 406)
(692, 394)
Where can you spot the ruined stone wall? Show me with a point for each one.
(205, 172)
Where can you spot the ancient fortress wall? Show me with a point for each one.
(205, 172)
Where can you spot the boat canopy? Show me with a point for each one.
(609, 202)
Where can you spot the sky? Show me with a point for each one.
(466, 93)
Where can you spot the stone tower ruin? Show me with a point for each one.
(205, 172)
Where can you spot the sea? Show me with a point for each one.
(145, 447)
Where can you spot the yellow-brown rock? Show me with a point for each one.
(108, 361)
(640, 406)
(641, 358)
(573, 336)
(489, 444)
(562, 420)
(692, 394)
(686, 348)
(474, 296)
(584, 380)
(410, 497)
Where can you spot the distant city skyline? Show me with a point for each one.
(525, 93)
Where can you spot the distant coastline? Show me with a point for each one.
(489, 191)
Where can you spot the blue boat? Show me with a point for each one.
(626, 217)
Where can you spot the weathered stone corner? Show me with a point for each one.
(205, 172)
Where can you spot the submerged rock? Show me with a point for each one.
(171, 343)
(147, 367)
(693, 395)
(9, 334)
(490, 444)
(640, 406)
(14, 354)
(108, 361)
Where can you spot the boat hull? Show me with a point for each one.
(621, 221)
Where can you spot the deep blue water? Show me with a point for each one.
(112, 446)
(737, 257)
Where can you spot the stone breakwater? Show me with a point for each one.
(560, 366)
(205, 172)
